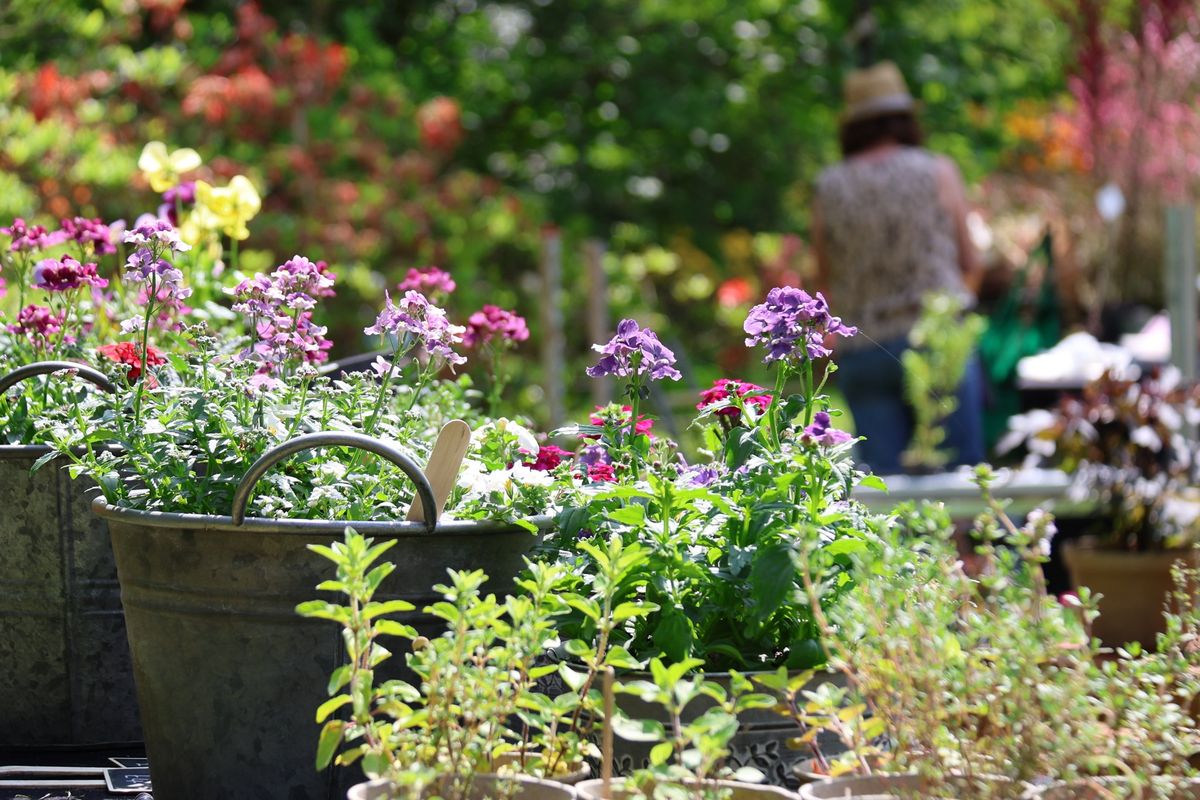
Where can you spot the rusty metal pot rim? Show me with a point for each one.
(305, 527)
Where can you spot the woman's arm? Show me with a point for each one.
(953, 198)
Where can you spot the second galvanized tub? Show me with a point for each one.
(65, 673)
(228, 675)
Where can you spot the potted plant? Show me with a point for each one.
(67, 668)
(1132, 445)
(210, 570)
(980, 683)
(720, 540)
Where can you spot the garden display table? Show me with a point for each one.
(1023, 490)
(70, 773)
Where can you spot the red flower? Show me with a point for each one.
(720, 391)
(601, 473)
(440, 123)
(735, 292)
(127, 353)
(548, 457)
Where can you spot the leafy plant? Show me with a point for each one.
(942, 345)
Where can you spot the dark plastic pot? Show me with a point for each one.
(65, 673)
(483, 786)
(228, 675)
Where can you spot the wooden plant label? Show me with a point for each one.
(442, 469)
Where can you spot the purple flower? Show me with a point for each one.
(26, 237)
(38, 323)
(492, 322)
(84, 232)
(178, 197)
(793, 324)
(428, 281)
(65, 274)
(594, 454)
(632, 351)
(699, 475)
(144, 267)
(820, 432)
(156, 232)
(300, 282)
(422, 322)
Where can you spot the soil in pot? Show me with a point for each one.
(510, 763)
(1135, 586)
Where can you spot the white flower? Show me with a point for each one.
(530, 477)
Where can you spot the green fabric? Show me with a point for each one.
(1025, 322)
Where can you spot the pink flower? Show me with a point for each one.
(65, 274)
(429, 281)
(38, 323)
(548, 457)
(820, 432)
(724, 388)
(492, 322)
(26, 237)
(601, 473)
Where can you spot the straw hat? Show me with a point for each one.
(875, 91)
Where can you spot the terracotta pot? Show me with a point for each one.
(483, 786)
(1134, 586)
(593, 790)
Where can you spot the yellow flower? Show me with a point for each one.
(163, 169)
(229, 208)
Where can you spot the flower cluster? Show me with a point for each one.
(619, 417)
(89, 234)
(494, 323)
(548, 457)
(37, 323)
(719, 398)
(144, 266)
(423, 324)
(65, 274)
(634, 351)
(793, 325)
(176, 199)
(26, 237)
(127, 353)
(280, 307)
(429, 281)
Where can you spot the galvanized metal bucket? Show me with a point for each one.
(228, 675)
(65, 673)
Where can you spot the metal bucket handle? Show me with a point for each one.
(92, 376)
(336, 439)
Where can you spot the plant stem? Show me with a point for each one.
(151, 296)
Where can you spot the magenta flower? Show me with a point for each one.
(179, 198)
(492, 322)
(548, 457)
(38, 323)
(820, 432)
(723, 389)
(634, 351)
(422, 323)
(428, 281)
(93, 232)
(65, 274)
(26, 237)
(792, 324)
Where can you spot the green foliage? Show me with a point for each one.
(942, 345)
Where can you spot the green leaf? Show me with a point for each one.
(873, 482)
(772, 577)
(661, 753)
(638, 730)
(331, 705)
(331, 737)
(673, 635)
(620, 658)
(633, 515)
(339, 678)
(372, 610)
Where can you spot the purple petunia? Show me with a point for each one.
(792, 324)
(494, 323)
(426, 324)
(820, 432)
(26, 237)
(85, 232)
(633, 351)
(65, 274)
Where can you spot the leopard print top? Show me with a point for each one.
(888, 241)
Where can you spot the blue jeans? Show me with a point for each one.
(872, 380)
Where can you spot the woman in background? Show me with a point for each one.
(890, 226)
